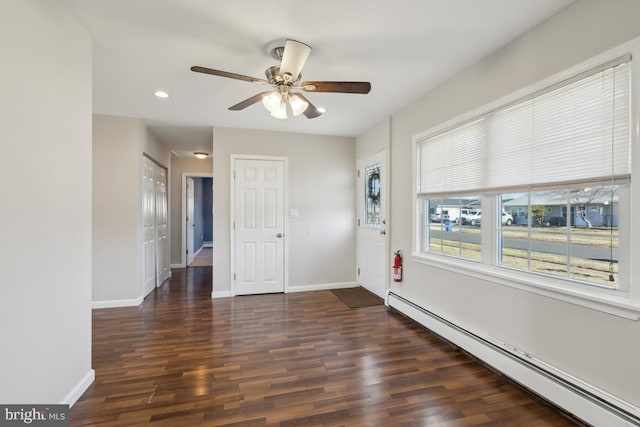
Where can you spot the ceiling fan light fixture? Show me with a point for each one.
(281, 111)
(298, 105)
(272, 101)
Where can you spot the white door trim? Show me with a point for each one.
(232, 215)
(183, 220)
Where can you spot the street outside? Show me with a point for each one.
(590, 250)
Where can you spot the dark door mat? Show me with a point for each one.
(357, 297)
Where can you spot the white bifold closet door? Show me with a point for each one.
(155, 225)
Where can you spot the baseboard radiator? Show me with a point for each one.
(576, 397)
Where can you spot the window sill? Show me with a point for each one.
(600, 300)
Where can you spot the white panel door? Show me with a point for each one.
(190, 224)
(373, 267)
(148, 226)
(163, 270)
(259, 226)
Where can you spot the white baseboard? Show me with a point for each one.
(146, 290)
(177, 266)
(207, 245)
(221, 294)
(576, 397)
(321, 287)
(72, 397)
(117, 303)
(301, 288)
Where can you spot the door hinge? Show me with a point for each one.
(187, 251)
(358, 173)
(234, 276)
(358, 222)
(358, 271)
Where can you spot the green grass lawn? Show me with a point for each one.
(553, 264)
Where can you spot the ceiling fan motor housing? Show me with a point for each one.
(276, 78)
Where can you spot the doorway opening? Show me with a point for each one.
(197, 220)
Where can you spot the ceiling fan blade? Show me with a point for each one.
(341, 87)
(206, 70)
(293, 58)
(248, 102)
(311, 112)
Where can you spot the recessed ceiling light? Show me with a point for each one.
(201, 155)
(161, 94)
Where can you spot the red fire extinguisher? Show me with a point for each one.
(397, 266)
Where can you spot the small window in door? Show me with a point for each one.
(372, 196)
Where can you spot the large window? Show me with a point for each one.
(555, 169)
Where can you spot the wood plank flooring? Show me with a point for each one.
(300, 359)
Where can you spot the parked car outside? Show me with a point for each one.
(466, 215)
(476, 220)
(557, 221)
(444, 212)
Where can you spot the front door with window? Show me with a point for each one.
(372, 230)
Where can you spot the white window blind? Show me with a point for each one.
(454, 160)
(574, 132)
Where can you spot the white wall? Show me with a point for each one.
(321, 186)
(45, 220)
(374, 140)
(598, 348)
(157, 150)
(180, 165)
(118, 147)
(117, 273)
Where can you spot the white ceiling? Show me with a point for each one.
(405, 48)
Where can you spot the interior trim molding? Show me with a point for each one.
(321, 287)
(76, 392)
(117, 303)
(221, 294)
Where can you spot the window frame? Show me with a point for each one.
(621, 301)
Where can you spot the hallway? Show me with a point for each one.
(183, 359)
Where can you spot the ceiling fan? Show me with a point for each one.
(285, 79)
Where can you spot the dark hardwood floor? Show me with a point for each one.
(183, 359)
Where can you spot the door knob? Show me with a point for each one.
(279, 235)
(383, 232)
